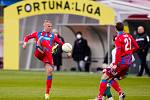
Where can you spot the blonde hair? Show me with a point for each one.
(46, 21)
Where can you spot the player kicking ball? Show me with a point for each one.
(44, 43)
(125, 46)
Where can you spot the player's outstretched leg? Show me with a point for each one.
(102, 86)
(49, 71)
(116, 86)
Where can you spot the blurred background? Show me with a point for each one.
(132, 12)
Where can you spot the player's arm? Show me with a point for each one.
(57, 40)
(135, 45)
(113, 65)
(118, 50)
(28, 37)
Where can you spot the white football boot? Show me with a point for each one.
(121, 96)
(46, 96)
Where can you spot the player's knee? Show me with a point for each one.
(105, 76)
(49, 71)
(49, 74)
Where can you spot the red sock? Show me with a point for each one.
(48, 84)
(102, 87)
(116, 86)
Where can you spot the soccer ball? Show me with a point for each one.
(67, 47)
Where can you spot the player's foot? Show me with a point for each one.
(121, 96)
(46, 96)
(100, 98)
(111, 98)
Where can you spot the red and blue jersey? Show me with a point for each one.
(49, 36)
(125, 46)
(44, 44)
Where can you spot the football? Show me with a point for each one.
(67, 47)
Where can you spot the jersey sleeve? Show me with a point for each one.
(30, 36)
(57, 40)
(118, 50)
(135, 45)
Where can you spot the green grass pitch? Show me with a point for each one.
(30, 85)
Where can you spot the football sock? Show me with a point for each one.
(116, 86)
(107, 92)
(48, 84)
(102, 87)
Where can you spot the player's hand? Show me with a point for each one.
(24, 45)
(54, 48)
(69, 54)
(40, 50)
(113, 66)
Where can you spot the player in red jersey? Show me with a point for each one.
(125, 46)
(44, 42)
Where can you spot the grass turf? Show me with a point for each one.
(30, 85)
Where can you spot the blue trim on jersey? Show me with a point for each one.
(105, 81)
(120, 32)
(126, 59)
(39, 34)
(37, 46)
(52, 38)
(45, 38)
(48, 38)
(49, 77)
(111, 81)
(123, 60)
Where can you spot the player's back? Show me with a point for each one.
(124, 43)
